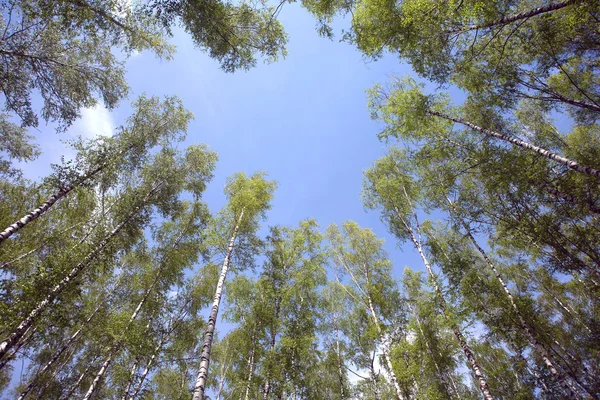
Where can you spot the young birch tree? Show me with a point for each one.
(248, 201)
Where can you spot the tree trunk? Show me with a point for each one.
(574, 165)
(101, 372)
(26, 337)
(35, 213)
(539, 348)
(517, 17)
(16, 335)
(267, 385)
(58, 353)
(76, 385)
(339, 362)
(157, 349)
(459, 336)
(200, 385)
(375, 383)
(147, 369)
(251, 373)
(117, 346)
(134, 368)
(385, 349)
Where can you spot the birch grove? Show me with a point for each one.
(473, 273)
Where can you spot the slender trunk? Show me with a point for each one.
(16, 335)
(459, 336)
(375, 383)
(251, 368)
(200, 385)
(339, 363)
(78, 382)
(134, 368)
(537, 376)
(117, 346)
(101, 372)
(27, 336)
(267, 385)
(569, 312)
(35, 213)
(68, 229)
(385, 349)
(157, 350)
(539, 348)
(57, 354)
(221, 385)
(517, 17)
(574, 165)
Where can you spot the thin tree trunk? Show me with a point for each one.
(35, 213)
(27, 336)
(385, 350)
(574, 165)
(117, 346)
(58, 353)
(16, 335)
(134, 368)
(157, 349)
(76, 385)
(267, 385)
(200, 385)
(459, 336)
(251, 373)
(101, 372)
(517, 17)
(539, 348)
(375, 382)
(569, 312)
(339, 362)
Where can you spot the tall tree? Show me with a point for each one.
(358, 254)
(160, 183)
(248, 200)
(99, 161)
(392, 191)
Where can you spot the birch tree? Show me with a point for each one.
(248, 200)
(153, 123)
(391, 190)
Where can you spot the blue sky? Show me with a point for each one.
(303, 120)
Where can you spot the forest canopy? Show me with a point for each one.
(120, 280)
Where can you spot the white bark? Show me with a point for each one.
(16, 335)
(574, 165)
(35, 213)
(459, 336)
(200, 385)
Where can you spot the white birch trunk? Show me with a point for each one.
(385, 349)
(35, 213)
(16, 335)
(57, 354)
(517, 17)
(459, 336)
(200, 384)
(574, 165)
(251, 373)
(566, 384)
